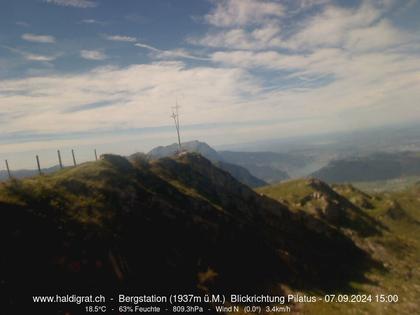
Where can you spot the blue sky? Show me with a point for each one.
(104, 73)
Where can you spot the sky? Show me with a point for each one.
(104, 74)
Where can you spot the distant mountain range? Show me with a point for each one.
(317, 150)
(252, 168)
(270, 166)
(257, 169)
(191, 146)
(239, 172)
(375, 167)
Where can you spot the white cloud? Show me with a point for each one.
(92, 21)
(365, 86)
(259, 38)
(93, 55)
(376, 37)
(331, 28)
(363, 28)
(44, 39)
(140, 96)
(22, 23)
(74, 3)
(242, 12)
(34, 57)
(120, 38)
(89, 21)
(339, 60)
(148, 47)
(31, 56)
(305, 4)
(170, 54)
(332, 81)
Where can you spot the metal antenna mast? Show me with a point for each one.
(175, 117)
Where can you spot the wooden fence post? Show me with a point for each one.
(74, 158)
(8, 170)
(39, 165)
(59, 159)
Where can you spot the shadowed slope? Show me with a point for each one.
(162, 225)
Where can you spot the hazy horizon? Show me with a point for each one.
(48, 156)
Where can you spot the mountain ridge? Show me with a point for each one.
(374, 167)
(181, 223)
(185, 215)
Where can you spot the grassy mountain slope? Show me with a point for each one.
(320, 200)
(396, 244)
(395, 184)
(168, 224)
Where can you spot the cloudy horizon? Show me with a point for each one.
(92, 73)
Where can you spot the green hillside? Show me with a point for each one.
(182, 224)
(178, 224)
(396, 216)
